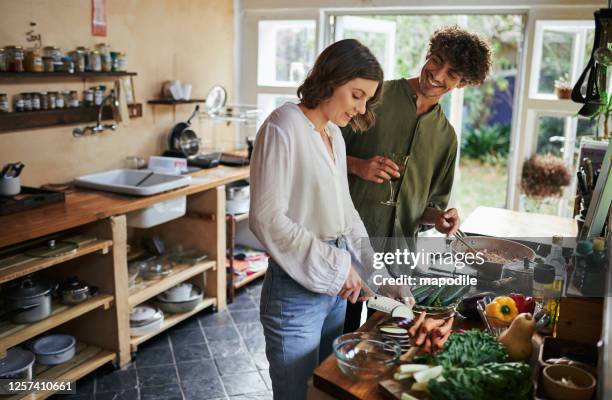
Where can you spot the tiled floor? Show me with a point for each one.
(209, 356)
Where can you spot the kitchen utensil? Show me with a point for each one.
(29, 301)
(156, 269)
(470, 248)
(150, 174)
(215, 100)
(54, 349)
(364, 355)
(178, 293)
(10, 186)
(74, 291)
(237, 195)
(175, 307)
(17, 364)
(565, 382)
(17, 169)
(143, 314)
(184, 139)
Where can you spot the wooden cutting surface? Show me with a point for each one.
(85, 206)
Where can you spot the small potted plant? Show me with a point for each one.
(563, 87)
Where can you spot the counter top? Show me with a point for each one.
(84, 206)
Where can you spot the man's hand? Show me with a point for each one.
(352, 286)
(375, 169)
(447, 222)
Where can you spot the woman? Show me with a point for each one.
(301, 211)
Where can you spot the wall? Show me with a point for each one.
(190, 40)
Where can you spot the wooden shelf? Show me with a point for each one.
(20, 265)
(180, 273)
(171, 320)
(249, 279)
(168, 102)
(86, 359)
(14, 121)
(84, 75)
(13, 334)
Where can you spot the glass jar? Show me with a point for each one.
(32, 61)
(48, 64)
(35, 101)
(52, 100)
(53, 52)
(79, 57)
(114, 61)
(27, 101)
(18, 104)
(122, 62)
(88, 97)
(2, 60)
(14, 58)
(68, 65)
(4, 105)
(44, 101)
(66, 98)
(59, 100)
(74, 99)
(98, 95)
(105, 56)
(95, 61)
(546, 296)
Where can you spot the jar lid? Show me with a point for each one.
(43, 93)
(544, 273)
(599, 244)
(73, 285)
(27, 288)
(50, 48)
(95, 52)
(584, 247)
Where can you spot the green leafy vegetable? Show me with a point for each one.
(499, 381)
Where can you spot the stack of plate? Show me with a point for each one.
(180, 299)
(145, 319)
(397, 329)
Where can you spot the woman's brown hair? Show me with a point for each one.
(339, 63)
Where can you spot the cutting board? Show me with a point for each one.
(393, 389)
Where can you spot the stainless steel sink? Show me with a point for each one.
(125, 181)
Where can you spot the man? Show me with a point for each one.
(409, 120)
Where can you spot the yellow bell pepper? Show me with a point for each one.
(503, 308)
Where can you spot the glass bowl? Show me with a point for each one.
(364, 356)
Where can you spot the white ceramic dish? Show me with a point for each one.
(126, 181)
(151, 327)
(54, 349)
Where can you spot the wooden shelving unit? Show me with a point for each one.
(80, 75)
(249, 279)
(14, 334)
(87, 359)
(17, 266)
(168, 102)
(172, 319)
(180, 273)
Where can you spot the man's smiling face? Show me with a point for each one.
(438, 76)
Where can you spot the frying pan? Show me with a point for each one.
(492, 270)
(183, 137)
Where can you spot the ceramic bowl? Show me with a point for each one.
(583, 386)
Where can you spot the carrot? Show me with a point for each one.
(421, 338)
(427, 348)
(416, 324)
(441, 330)
(430, 324)
(438, 343)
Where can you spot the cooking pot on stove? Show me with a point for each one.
(184, 139)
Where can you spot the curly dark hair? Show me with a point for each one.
(339, 63)
(467, 52)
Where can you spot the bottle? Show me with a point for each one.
(556, 259)
(545, 297)
(594, 277)
(4, 103)
(584, 249)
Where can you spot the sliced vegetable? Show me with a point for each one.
(430, 373)
(419, 386)
(393, 330)
(403, 312)
(398, 376)
(412, 368)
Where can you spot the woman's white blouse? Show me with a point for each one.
(300, 197)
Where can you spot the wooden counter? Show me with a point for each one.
(84, 206)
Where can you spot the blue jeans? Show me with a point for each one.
(299, 327)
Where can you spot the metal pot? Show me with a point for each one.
(29, 300)
(17, 364)
(74, 291)
(183, 138)
(54, 349)
(237, 195)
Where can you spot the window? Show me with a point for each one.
(286, 52)
(561, 51)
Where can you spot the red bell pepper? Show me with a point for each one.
(524, 304)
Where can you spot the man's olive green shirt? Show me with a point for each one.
(430, 141)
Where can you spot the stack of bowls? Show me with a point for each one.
(145, 319)
(181, 298)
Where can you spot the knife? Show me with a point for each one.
(17, 169)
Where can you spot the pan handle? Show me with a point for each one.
(197, 109)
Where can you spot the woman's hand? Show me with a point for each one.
(375, 169)
(352, 286)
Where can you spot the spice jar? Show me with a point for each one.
(74, 99)
(79, 57)
(32, 61)
(68, 65)
(48, 65)
(4, 105)
(122, 62)
(27, 101)
(44, 101)
(114, 61)
(66, 98)
(95, 61)
(14, 58)
(52, 100)
(59, 100)
(88, 97)
(98, 94)
(56, 55)
(2, 60)
(18, 104)
(105, 56)
(35, 101)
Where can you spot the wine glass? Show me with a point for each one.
(401, 160)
